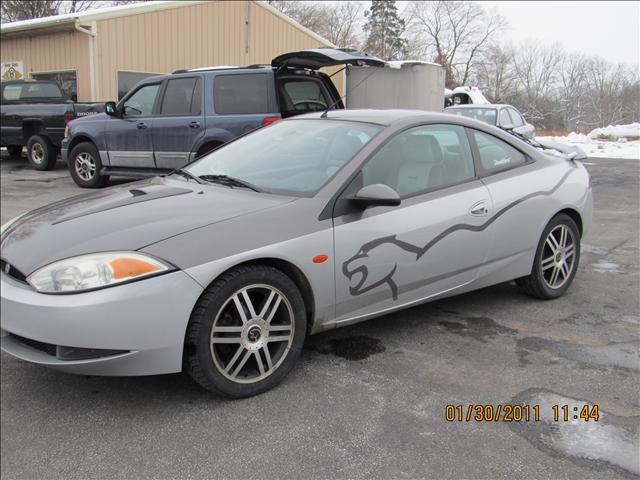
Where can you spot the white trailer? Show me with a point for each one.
(400, 84)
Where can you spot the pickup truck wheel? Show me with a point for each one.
(14, 150)
(85, 166)
(41, 152)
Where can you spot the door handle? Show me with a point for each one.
(141, 125)
(479, 209)
(194, 125)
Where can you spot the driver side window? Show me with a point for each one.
(140, 104)
(422, 159)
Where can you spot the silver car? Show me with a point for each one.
(506, 117)
(222, 268)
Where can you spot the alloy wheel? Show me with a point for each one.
(252, 333)
(85, 166)
(558, 256)
(37, 153)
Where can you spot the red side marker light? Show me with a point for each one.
(320, 258)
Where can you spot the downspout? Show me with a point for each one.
(92, 32)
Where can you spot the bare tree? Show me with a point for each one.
(454, 33)
(337, 22)
(494, 74)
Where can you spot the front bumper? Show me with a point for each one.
(145, 319)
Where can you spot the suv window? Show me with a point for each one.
(245, 93)
(516, 118)
(141, 102)
(182, 97)
(421, 159)
(496, 155)
(303, 95)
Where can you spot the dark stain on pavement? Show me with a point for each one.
(357, 347)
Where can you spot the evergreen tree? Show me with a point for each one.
(384, 30)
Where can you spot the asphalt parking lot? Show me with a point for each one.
(368, 401)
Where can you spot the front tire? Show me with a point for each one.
(85, 166)
(42, 154)
(556, 261)
(246, 332)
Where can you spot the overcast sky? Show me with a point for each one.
(608, 29)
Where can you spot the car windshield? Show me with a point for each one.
(292, 157)
(487, 115)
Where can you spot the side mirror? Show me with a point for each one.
(508, 126)
(375, 195)
(110, 108)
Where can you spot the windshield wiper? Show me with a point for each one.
(188, 174)
(230, 181)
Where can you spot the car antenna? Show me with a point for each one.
(324, 114)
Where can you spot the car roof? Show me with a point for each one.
(386, 117)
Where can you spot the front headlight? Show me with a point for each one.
(88, 272)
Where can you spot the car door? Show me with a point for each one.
(517, 190)
(129, 134)
(432, 243)
(519, 123)
(179, 123)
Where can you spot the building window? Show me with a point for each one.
(66, 80)
(128, 80)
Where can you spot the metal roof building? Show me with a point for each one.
(98, 55)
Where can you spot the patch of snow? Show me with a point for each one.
(594, 148)
(617, 132)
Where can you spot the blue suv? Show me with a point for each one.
(167, 121)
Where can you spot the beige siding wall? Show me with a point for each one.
(53, 52)
(207, 34)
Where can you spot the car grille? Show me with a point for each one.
(12, 271)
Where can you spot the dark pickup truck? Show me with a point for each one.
(35, 114)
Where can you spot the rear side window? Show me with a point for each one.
(496, 155)
(182, 97)
(304, 95)
(236, 94)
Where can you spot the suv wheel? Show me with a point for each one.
(85, 166)
(246, 332)
(41, 152)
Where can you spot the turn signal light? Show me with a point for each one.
(131, 267)
(320, 258)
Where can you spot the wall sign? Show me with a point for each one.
(12, 70)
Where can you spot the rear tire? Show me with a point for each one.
(243, 354)
(85, 166)
(556, 261)
(14, 150)
(41, 152)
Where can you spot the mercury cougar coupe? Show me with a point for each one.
(223, 267)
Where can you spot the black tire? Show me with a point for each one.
(14, 150)
(42, 154)
(85, 166)
(538, 283)
(204, 359)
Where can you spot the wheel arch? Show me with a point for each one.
(574, 215)
(78, 139)
(290, 270)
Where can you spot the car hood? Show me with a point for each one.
(126, 217)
